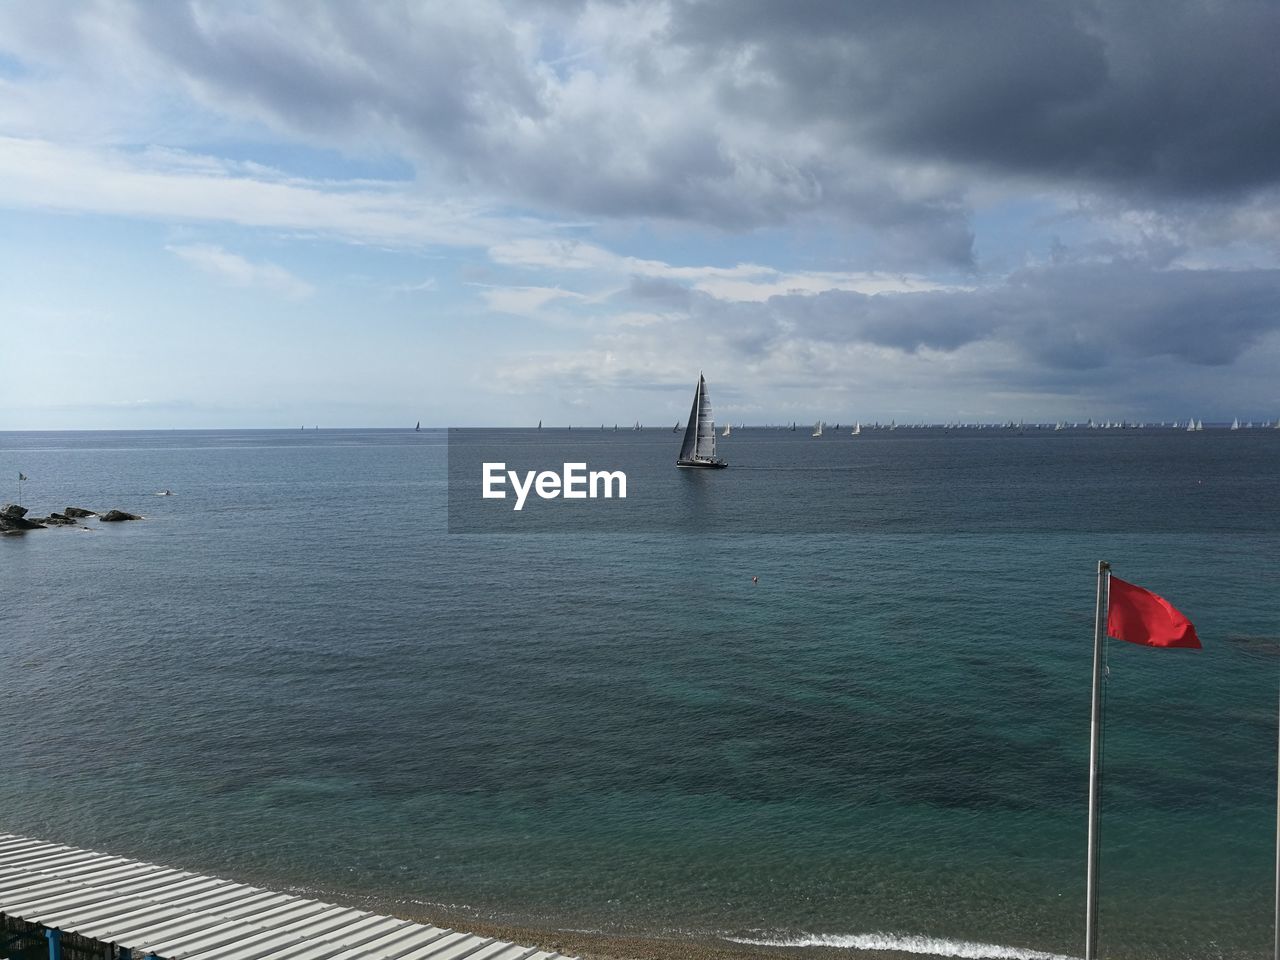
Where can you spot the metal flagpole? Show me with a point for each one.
(1095, 764)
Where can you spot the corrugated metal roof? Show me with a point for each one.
(178, 915)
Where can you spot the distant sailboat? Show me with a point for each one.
(417, 426)
(699, 446)
(539, 424)
(817, 429)
(728, 430)
(1235, 424)
(793, 425)
(857, 429)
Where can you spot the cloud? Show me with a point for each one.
(525, 301)
(428, 285)
(743, 281)
(237, 271)
(621, 123)
(1056, 326)
(718, 112)
(175, 185)
(1158, 100)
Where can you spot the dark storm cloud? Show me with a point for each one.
(1073, 318)
(1175, 97)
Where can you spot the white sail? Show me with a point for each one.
(857, 428)
(699, 445)
(1235, 424)
(728, 430)
(817, 429)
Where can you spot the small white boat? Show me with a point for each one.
(817, 429)
(728, 430)
(857, 429)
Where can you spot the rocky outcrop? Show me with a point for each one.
(58, 520)
(113, 516)
(14, 518)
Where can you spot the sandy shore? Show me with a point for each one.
(608, 946)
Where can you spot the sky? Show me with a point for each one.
(275, 214)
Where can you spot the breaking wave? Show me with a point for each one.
(905, 943)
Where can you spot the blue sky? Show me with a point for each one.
(222, 214)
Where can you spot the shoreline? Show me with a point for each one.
(600, 945)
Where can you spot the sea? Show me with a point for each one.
(835, 695)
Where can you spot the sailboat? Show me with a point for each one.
(676, 428)
(857, 429)
(699, 446)
(1235, 424)
(728, 430)
(539, 424)
(817, 429)
(793, 426)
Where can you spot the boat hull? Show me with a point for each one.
(702, 464)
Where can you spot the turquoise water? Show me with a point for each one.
(292, 674)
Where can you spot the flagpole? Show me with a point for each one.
(1095, 764)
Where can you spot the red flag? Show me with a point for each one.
(1139, 616)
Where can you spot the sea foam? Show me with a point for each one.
(905, 943)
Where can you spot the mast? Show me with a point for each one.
(1095, 764)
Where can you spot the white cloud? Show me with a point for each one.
(175, 185)
(742, 282)
(428, 285)
(525, 301)
(237, 271)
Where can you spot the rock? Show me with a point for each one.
(78, 512)
(57, 520)
(14, 518)
(111, 516)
